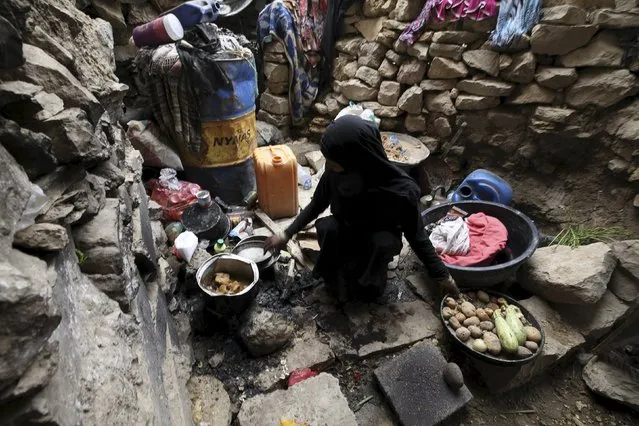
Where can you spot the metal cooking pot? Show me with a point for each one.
(239, 268)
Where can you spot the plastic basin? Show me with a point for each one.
(523, 239)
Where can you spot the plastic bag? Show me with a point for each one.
(172, 194)
(451, 237)
(37, 201)
(300, 375)
(356, 109)
(186, 244)
(157, 151)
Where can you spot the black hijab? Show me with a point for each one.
(356, 145)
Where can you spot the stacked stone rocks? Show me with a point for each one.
(82, 287)
(274, 104)
(574, 78)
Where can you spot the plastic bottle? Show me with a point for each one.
(304, 178)
(195, 12)
(165, 29)
(219, 247)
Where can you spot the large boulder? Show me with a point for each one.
(613, 379)
(486, 87)
(483, 60)
(443, 68)
(43, 70)
(532, 94)
(369, 76)
(411, 72)
(111, 11)
(371, 54)
(603, 51)
(355, 90)
(28, 313)
(569, 275)
(560, 39)
(440, 102)
(265, 332)
(521, 68)
(411, 100)
(42, 236)
(616, 19)
(555, 77)
(564, 15)
(624, 124)
(600, 88)
(406, 10)
(31, 150)
(389, 93)
(473, 102)
(74, 138)
(11, 42)
(16, 190)
(376, 8)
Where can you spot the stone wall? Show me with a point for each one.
(557, 114)
(87, 337)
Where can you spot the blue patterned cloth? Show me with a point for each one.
(516, 18)
(276, 23)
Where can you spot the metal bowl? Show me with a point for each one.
(416, 151)
(491, 359)
(249, 249)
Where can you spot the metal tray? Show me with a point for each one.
(495, 360)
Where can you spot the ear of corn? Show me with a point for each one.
(513, 321)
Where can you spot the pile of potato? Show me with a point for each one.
(471, 317)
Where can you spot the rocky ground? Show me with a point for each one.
(304, 327)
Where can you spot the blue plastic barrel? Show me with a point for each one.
(196, 11)
(483, 185)
(238, 98)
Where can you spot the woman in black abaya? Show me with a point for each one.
(372, 203)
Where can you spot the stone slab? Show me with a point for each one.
(210, 403)
(414, 385)
(317, 401)
(609, 380)
(380, 328)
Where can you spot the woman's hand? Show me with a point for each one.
(448, 286)
(274, 242)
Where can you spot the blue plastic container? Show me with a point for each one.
(483, 185)
(195, 12)
(238, 99)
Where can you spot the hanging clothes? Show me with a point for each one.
(312, 15)
(276, 22)
(448, 10)
(516, 18)
(330, 34)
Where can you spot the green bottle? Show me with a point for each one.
(219, 247)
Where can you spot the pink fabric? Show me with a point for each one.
(488, 236)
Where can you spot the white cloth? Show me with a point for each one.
(451, 237)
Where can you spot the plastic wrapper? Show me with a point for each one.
(172, 194)
(156, 150)
(172, 230)
(185, 245)
(37, 201)
(300, 375)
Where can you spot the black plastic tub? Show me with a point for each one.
(486, 357)
(523, 239)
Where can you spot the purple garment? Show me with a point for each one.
(416, 28)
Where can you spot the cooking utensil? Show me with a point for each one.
(252, 248)
(487, 357)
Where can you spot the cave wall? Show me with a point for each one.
(556, 114)
(87, 337)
